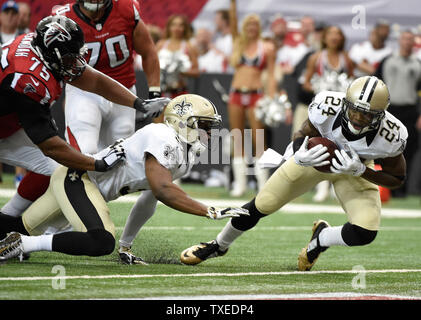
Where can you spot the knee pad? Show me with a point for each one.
(102, 242)
(354, 235)
(245, 223)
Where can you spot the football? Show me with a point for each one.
(331, 147)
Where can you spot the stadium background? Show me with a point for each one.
(402, 15)
(392, 262)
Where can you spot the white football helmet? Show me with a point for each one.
(193, 117)
(364, 106)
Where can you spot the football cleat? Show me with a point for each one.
(11, 247)
(200, 252)
(308, 255)
(127, 257)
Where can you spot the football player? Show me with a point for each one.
(357, 121)
(35, 67)
(153, 157)
(113, 31)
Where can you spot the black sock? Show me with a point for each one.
(9, 224)
(245, 223)
(93, 243)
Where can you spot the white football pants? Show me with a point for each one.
(19, 150)
(93, 123)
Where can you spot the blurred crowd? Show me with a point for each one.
(287, 63)
(308, 56)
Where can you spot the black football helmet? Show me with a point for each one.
(60, 43)
(94, 6)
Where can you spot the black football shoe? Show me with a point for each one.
(200, 252)
(126, 256)
(308, 255)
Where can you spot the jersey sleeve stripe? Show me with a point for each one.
(15, 80)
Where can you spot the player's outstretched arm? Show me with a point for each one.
(160, 182)
(59, 150)
(97, 82)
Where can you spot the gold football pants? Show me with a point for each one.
(71, 198)
(359, 198)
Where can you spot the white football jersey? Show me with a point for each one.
(157, 139)
(388, 140)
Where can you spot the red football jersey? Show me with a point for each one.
(110, 40)
(23, 71)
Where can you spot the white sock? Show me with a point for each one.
(227, 236)
(331, 236)
(37, 243)
(16, 206)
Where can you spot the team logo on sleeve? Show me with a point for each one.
(182, 108)
(29, 88)
(169, 152)
(55, 32)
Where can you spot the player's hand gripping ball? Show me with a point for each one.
(331, 147)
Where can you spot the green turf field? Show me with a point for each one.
(262, 262)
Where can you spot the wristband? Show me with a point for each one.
(139, 105)
(154, 92)
(100, 166)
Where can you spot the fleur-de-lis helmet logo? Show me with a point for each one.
(182, 108)
(54, 32)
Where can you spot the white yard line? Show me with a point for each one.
(258, 228)
(288, 208)
(295, 208)
(205, 275)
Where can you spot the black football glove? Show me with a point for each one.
(115, 155)
(151, 108)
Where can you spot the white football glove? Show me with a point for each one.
(349, 163)
(217, 214)
(314, 157)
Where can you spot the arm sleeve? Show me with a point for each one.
(141, 212)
